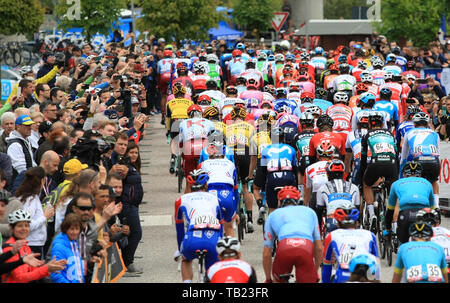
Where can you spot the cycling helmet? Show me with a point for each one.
(335, 169)
(271, 57)
(376, 118)
(199, 68)
(288, 194)
(412, 168)
(428, 215)
(211, 113)
(19, 215)
(388, 75)
(391, 58)
(361, 88)
(314, 110)
(193, 109)
(364, 264)
(421, 118)
(167, 53)
(240, 46)
(374, 58)
(325, 120)
(281, 91)
(250, 63)
(197, 178)
(411, 110)
(385, 93)
(368, 99)
(340, 97)
(307, 119)
(304, 56)
(333, 68)
(266, 119)
(363, 118)
(4, 196)
(241, 80)
(211, 58)
(240, 103)
(344, 68)
(253, 83)
(290, 57)
(211, 84)
(178, 88)
(318, 50)
(202, 56)
(238, 112)
(267, 103)
(181, 67)
(378, 63)
(204, 100)
(25, 70)
(279, 58)
(294, 87)
(231, 90)
(236, 53)
(346, 214)
(396, 50)
(362, 65)
(262, 56)
(321, 93)
(342, 59)
(325, 149)
(366, 77)
(307, 97)
(420, 229)
(227, 244)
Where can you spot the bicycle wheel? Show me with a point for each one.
(389, 252)
(8, 58)
(180, 173)
(17, 57)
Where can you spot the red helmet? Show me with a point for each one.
(236, 53)
(361, 87)
(326, 149)
(194, 108)
(333, 67)
(307, 95)
(303, 64)
(289, 194)
(167, 53)
(204, 100)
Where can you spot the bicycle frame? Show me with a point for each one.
(201, 256)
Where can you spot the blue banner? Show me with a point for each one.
(442, 75)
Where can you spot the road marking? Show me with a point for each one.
(156, 220)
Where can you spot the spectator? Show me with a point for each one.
(443, 129)
(8, 125)
(64, 116)
(49, 62)
(42, 92)
(50, 163)
(49, 109)
(28, 194)
(12, 205)
(65, 247)
(108, 128)
(35, 136)
(27, 88)
(118, 230)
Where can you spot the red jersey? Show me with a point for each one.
(231, 271)
(335, 139)
(199, 81)
(342, 117)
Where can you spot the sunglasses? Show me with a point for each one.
(84, 208)
(428, 102)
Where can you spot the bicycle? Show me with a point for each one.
(201, 256)
(242, 215)
(10, 54)
(179, 172)
(287, 278)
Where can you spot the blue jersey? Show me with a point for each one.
(423, 262)
(229, 154)
(323, 104)
(291, 104)
(420, 143)
(402, 129)
(291, 222)
(411, 192)
(390, 108)
(237, 65)
(279, 157)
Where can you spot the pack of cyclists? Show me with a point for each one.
(311, 140)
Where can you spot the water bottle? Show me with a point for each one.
(51, 219)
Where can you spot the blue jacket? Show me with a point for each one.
(63, 248)
(133, 191)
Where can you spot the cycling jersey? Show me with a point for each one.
(319, 62)
(402, 129)
(316, 175)
(344, 82)
(253, 73)
(353, 146)
(176, 109)
(231, 271)
(328, 80)
(215, 72)
(187, 83)
(226, 105)
(289, 105)
(278, 157)
(342, 245)
(335, 193)
(335, 139)
(238, 137)
(229, 154)
(378, 76)
(199, 82)
(288, 119)
(203, 217)
(302, 143)
(423, 262)
(323, 104)
(236, 66)
(388, 107)
(258, 142)
(263, 67)
(411, 192)
(342, 117)
(420, 143)
(380, 145)
(252, 94)
(215, 95)
(441, 236)
(194, 129)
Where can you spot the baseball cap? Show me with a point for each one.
(24, 120)
(73, 166)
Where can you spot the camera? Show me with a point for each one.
(123, 160)
(90, 151)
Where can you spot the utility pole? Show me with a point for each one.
(133, 20)
(307, 25)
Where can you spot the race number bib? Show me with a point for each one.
(414, 274)
(434, 273)
(305, 150)
(340, 125)
(206, 221)
(426, 150)
(275, 165)
(383, 148)
(443, 241)
(347, 253)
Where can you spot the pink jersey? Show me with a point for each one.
(378, 76)
(308, 87)
(186, 96)
(249, 94)
(288, 118)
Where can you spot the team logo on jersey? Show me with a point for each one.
(295, 242)
(224, 193)
(209, 234)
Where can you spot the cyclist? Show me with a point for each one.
(203, 216)
(199, 78)
(365, 104)
(296, 229)
(280, 161)
(398, 92)
(385, 105)
(217, 139)
(213, 92)
(325, 125)
(251, 73)
(360, 88)
(346, 242)
(176, 111)
(237, 137)
(236, 66)
(406, 125)
(214, 70)
(341, 113)
(378, 73)
(363, 269)
(422, 144)
(334, 193)
(345, 81)
(183, 77)
(262, 65)
(212, 114)
(328, 76)
(353, 147)
(223, 183)
(421, 259)
(383, 161)
(230, 268)
(166, 74)
(193, 137)
(226, 105)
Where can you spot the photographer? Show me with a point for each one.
(443, 129)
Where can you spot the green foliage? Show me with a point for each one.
(179, 19)
(335, 9)
(96, 16)
(255, 15)
(418, 21)
(20, 17)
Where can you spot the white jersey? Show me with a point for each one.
(353, 142)
(201, 210)
(268, 97)
(335, 193)
(316, 175)
(221, 171)
(442, 237)
(214, 94)
(344, 82)
(226, 105)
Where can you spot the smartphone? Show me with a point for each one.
(19, 91)
(444, 110)
(123, 59)
(410, 100)
(422, 81)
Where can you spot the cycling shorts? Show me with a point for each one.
(260, 178)
(242, 165)
(278, 179)
(431, 168)
(175, 128)
(191, 154)
(295, 252)
(356, 176)
(200, 239)
(226, 197)
(164, 81)
(375, 170)
(405, 218)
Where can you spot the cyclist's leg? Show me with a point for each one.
(227, 202)
(371, 175)
(430, 171)
(187, 250)
(305, 269)
(283, 262)
(405, 219)
(243, 162)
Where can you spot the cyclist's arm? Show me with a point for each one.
(179, 222)
(329, 245)
(267, 262)
(49, 76)
(5, 108)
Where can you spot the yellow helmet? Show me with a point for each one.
(178, 88)
(210, 112)
(238, 112)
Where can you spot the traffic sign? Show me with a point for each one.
(278, 20)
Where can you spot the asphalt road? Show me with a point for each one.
(158, 244)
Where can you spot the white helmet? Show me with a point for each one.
(313, 110)
(285, 44)
(262, 56)
(228, 243)
(340, 97)
(366, 77)
(211, 58)
(388, 75)
(25, 70)
(19, 215)
(421, 117)
(279, 57)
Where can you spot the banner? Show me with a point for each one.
(100, 272)
(444, 176)
(442, 75)
(111, 268)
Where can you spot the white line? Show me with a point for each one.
(156, 220)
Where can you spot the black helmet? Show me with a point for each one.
(211, 84)
(321, 93)
(421, 229)
(429, 215)
(412, 168)
(385, 93)
(325, 120)
(376, 118)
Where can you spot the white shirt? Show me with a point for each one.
(38, 227)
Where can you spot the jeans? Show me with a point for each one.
(130, 216)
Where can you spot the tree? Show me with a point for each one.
(179, 19)
(255, 15)
(418, 21)
(94, 16)
(20, 17)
